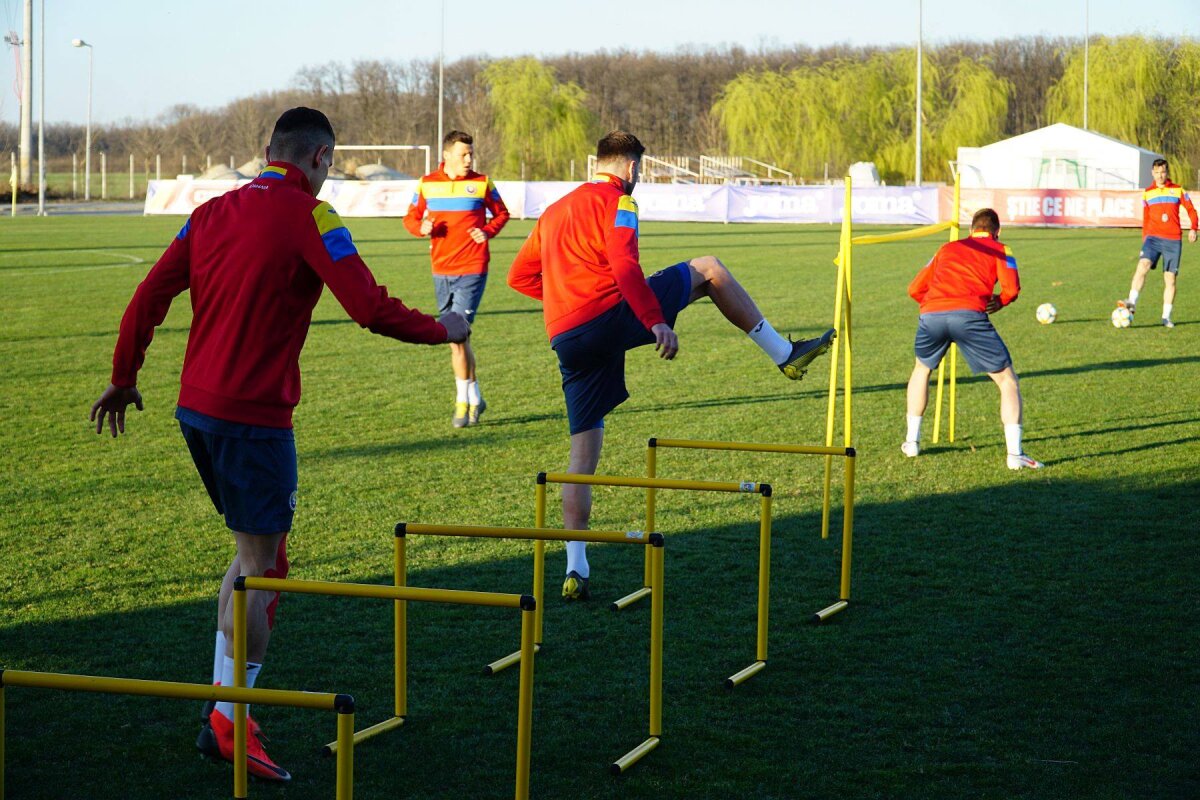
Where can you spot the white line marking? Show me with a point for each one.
(129, 261)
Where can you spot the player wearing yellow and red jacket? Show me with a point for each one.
(451, 207)
(581, 262)
(1162, 237)
(955, 291)
(255, 261)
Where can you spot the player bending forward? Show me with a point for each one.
(955, 293)
(581, 262)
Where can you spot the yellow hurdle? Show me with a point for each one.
(655, 483)
(654, 542)
(343, 704)
(399, 594)
(849, 453)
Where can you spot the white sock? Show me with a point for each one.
(774, 345)
(577, 559)
(1133, 296)
(460, 386)
(473, 395)
(1167, 309)
(914, 428)
(252, 671)
(1012, 437)
(219, 658)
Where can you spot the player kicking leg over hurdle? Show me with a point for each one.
(581, 261)
(955, 293)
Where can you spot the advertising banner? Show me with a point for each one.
(1066, 207)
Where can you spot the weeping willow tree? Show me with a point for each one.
(542, 123)
(1143, 91)
(847, 111)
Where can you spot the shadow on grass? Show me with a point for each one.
(993, 648)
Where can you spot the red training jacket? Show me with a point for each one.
(1160, 210)
(456, 205)
(962, 275)
(582, 258)
(255, 260)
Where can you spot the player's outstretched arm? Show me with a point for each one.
(112, 404)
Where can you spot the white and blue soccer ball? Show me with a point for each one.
(1121, 318)
(1047, 313)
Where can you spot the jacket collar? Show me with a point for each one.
(288, 173)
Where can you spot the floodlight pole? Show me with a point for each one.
(441, 70)
(87, 157)
(42, 115)
(1087, 36)
(920, 26)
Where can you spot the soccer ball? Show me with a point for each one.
(1121, 318)
(1047, 313)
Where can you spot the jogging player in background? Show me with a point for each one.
(581, 261)
(1162, 237)
(255, 261)
(451, 206)
(955, 293)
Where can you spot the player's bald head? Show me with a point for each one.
(298, 133)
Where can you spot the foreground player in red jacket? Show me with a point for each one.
(255, 261)
(451, 206)
(581, 261)
(955, 293)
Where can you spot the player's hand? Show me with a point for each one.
(993, 304)
(1192, 236)
(112, 403)
(457, 327)
(665, 341)
(478, 235)
(426, 226)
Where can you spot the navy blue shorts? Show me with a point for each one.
(591, 356)
(1154, 247)
(249, 470)
(460, 293)
(972, 331)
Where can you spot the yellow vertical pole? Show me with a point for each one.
(345, 756)
(764, 572)
(539, 559)
(937, 405)
(240, 622)
(956, 212)
(400, 699)
(2, 729)
(651, 501)
(839, 292)
(656, 639)
(847, 527)
(953, 386)
(525, 704)
(847, 337)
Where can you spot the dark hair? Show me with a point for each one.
(619, 144)
(454, 137)
(986, 219)
(298, 132)
(1160, 162)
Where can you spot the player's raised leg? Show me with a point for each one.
(1143, 268)
(577, 509)
(712, 279)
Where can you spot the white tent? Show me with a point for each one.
(1059, 156)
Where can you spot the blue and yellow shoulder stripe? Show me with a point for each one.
(334, 234)
(1166, 194)
(463, 195)
(627, 214)
(272, 174)
(183, 232)
(1010, 260)
(492, 193)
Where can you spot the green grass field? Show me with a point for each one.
(1012, 634)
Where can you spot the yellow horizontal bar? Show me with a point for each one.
(633, 756)
(750, 487)
(181, 691)
(381, 592)
(751, 447)
(826, 613)
(545, 534)
(366, 733)
(914, 233)
(745, 675)
(506, 662)
(631, 598)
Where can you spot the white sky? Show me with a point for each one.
(152, 54)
